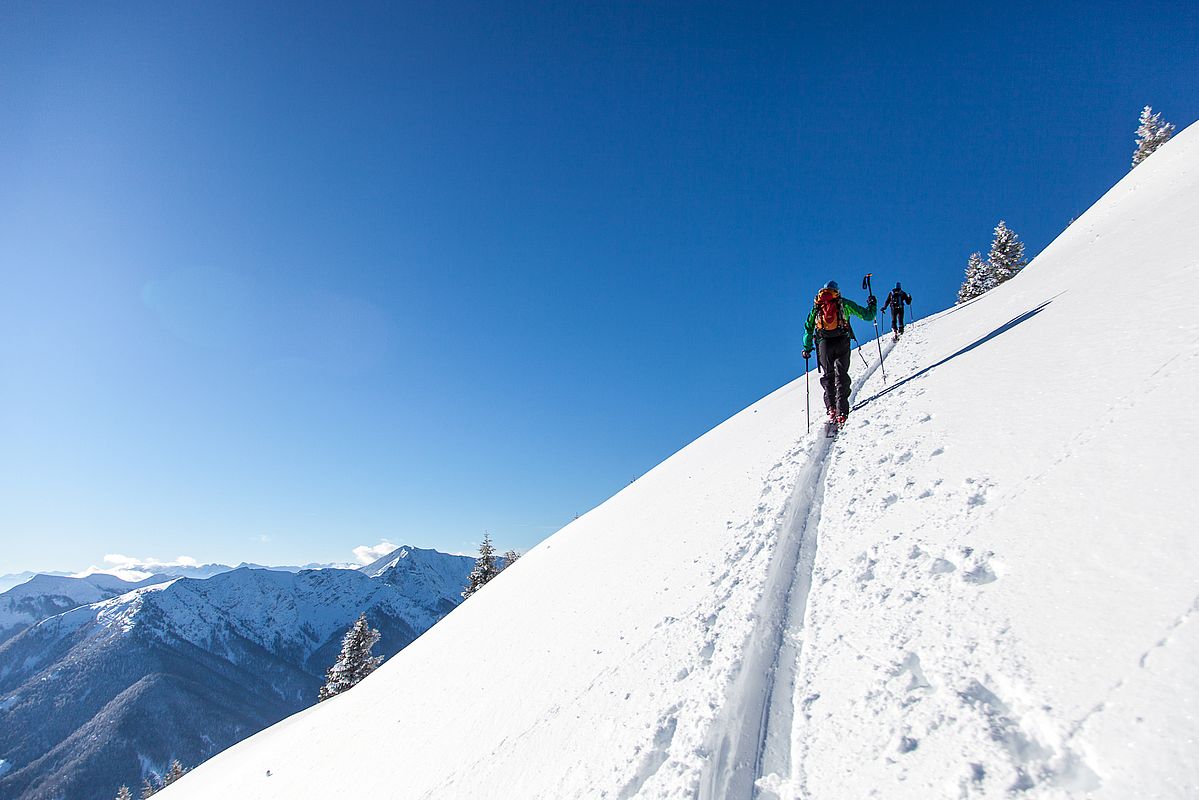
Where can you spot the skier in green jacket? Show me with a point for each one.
(828, 328)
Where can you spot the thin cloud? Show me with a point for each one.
(131, 568)
(367, 554)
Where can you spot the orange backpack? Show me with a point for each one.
(829, 314)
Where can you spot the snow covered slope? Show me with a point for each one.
(987, 583)
(1005, 584)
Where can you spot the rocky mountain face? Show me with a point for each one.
(106, 693)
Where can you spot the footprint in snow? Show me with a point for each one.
(942, 566)
(980, 570)
(867, 574)
(981, 574)
(978, 496)
(655, 756)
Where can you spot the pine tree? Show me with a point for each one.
(485, 568)
(355, 661)
(509, 559)
(174, 773)
(124, 794)
(1152, 133)
(1006, 258)
(979, 278)
(148, 789)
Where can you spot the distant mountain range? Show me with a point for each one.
(11, 579)
(43, 596)
(103, 681)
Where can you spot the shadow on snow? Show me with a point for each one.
(1007, 326)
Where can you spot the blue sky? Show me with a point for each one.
(279, 280)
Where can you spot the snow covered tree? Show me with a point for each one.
(979, 279)
(355, 661)
(124, 794)
(148, 788)
(485, 568)
(1152, 133)
(1006, 258)
(509, 558)
(174, 773)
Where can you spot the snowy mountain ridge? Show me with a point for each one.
(277, 610)
(983, 586)
(11, 579)
(44, 596)
(412, 566)
(37, 596)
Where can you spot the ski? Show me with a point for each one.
(832, 428)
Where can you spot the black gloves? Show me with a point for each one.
(807, 354)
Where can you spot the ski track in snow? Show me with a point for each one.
(751, 737)
(1015, 746)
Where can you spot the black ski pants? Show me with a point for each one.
(833, 355)
(897, 319)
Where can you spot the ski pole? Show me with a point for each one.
(877, 335)
(807, 403)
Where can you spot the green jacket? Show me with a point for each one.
(851, 308)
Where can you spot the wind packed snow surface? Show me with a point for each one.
(985, 585)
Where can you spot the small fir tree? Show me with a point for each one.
(1006, 258)
(124, 794)
(1152, 133)
(355, 661)
(174, 773)
(485, 568)
(978, 279)
(148, 788)
(509, 559)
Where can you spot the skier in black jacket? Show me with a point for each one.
(895, 300)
